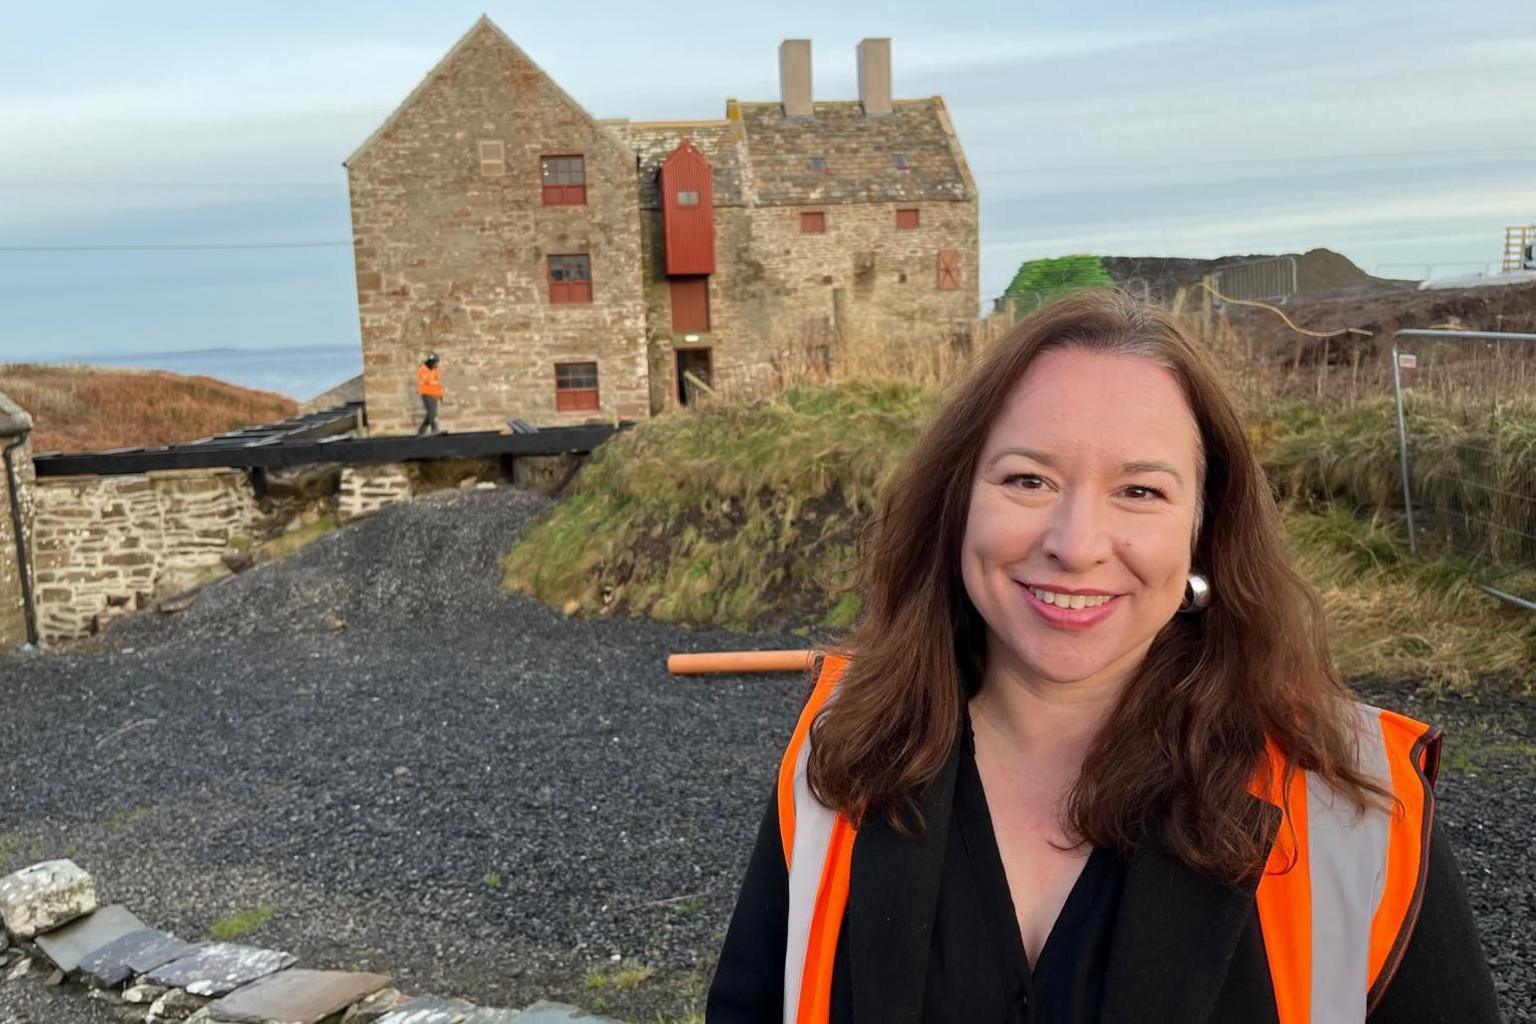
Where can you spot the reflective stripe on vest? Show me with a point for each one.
(1337, 903)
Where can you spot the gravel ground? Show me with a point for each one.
(420, 774)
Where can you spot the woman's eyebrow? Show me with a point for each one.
(1151, 466)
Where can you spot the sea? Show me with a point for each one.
(300, 372)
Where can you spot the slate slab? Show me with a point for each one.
(220, 967)
(429, 1010)
(45, 896)
(299, 996)
(68, 945)
(135, 953)
(549, 1013)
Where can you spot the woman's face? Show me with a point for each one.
(1086, 486)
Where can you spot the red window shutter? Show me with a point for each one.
(813, 223)
(949, 269)
(690, 304)
(906, 220)
(570, 279)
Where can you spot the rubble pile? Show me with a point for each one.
(51, 922)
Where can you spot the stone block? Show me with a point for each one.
(175, 1005)
(45, 896)
(297, 996)
(429, 1010)
(135, 953)
(220, 967)
(69, 944)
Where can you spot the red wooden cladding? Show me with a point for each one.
(949, 269)
(575, 387)
(688, 210)
(907, 220)
(813, 223)
(690, 304)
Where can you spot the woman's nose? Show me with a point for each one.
(1078, 534)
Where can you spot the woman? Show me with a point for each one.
(1085, 756)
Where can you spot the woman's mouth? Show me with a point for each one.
(1069, 611)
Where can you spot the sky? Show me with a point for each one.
(1401, 133)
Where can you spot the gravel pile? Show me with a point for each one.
(422, 775)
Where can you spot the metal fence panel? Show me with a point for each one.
(1466, 427)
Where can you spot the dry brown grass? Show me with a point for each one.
(90, 408)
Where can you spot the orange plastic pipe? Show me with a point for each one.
(738, 661)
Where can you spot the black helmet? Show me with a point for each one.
(431, 359)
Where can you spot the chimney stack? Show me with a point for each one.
(875, 76)
(795, 77)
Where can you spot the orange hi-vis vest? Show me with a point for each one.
(429, 381)
(1337, 904)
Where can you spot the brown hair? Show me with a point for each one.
(1185, 741)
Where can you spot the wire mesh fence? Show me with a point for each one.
(1466, 412)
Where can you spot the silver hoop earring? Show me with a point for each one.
(1197, 594)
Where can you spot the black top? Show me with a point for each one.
(978, 971)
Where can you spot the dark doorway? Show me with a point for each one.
(696, 361)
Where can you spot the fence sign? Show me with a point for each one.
(1407, 360)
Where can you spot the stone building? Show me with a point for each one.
(569, 269)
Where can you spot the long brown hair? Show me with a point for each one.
(1185, 741)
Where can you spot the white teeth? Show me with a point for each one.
(1070, 600)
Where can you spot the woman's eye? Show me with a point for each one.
(1022, 476)
(1152, 491)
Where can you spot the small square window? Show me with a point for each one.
(900, 162)
(688, 197)
(570, 279)
(565, 180)
(813, 223)
(816, 163)
(907, 220)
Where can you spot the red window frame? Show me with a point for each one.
(570, 279)
(564, 179)
(908, 219)
(813, 222)
(576, 387)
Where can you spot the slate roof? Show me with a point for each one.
(762, 158)
(859, 152)
(720, 142)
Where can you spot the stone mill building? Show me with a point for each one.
(569, 269)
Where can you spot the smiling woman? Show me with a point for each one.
(1169, 807)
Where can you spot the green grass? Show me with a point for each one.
(240, 923)
(734, 516)
(1040, 282)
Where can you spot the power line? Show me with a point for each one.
(196, 247)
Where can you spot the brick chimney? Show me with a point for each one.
(874, 58)
(795, 77)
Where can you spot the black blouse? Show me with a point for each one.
(978, 971)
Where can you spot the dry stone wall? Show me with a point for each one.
(13, 622)
(109, 544)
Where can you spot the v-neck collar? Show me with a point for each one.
(1174, 936)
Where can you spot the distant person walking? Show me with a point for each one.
(429, 384)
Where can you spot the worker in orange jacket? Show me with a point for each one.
(429, 384)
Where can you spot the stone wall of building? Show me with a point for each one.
(366, 489)
(781, 294)
(104, 543)
(451, 250)
(13, 622)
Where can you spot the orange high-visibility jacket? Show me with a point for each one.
(429, 381)
(1337, 903)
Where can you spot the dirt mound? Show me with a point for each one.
(1318, 272)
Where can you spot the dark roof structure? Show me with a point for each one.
(763, 158)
